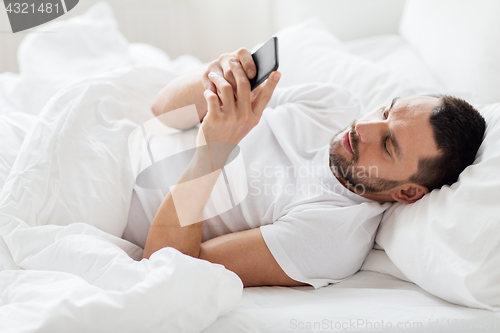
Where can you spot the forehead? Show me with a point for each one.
(410, 121)
(415, 109)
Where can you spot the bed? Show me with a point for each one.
(64, 266)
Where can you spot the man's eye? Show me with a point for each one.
(385, 146)
(385, 114)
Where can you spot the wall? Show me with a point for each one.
(207, 28)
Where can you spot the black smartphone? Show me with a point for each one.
(266, 61)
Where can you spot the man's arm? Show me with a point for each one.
(180, 92)
(247, 254)
(178, 220)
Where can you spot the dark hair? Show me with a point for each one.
(458, 130)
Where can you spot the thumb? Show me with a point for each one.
(256, 92)
(260, 103)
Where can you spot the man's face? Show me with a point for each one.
(381, 150)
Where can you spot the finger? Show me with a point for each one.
(213, 67)
(264, 97)
(220, 71)
(228, 75)
(246, 60)
(213, 106)
(224, 90)
(256, 92)
(209, 85)
(242, 84)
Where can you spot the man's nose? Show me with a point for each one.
(369, 130)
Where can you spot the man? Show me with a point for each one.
(281, 234)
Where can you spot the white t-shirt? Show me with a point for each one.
(318, 231)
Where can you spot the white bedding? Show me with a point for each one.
(60, 270)
(62, 210)
(349, 306)
(64, 205)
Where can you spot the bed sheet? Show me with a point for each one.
(366, 302)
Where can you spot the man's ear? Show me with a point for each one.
(408, 193)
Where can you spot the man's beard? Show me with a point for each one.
(357, 177)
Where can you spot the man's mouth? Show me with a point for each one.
(346, 141)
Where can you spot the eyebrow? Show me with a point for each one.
(395, 143)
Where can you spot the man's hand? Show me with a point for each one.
(232, 120)
(188, 89)
(221, 66)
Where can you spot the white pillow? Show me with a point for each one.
(84, 46)
(459, 41)
(81, 47)
(448, 242)
(308, 53)
(9, 83)
(392, 52)
(378, 261)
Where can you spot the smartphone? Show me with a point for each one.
(266, 61)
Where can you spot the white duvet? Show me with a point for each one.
(62, 210)
(64, 206)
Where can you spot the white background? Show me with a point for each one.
(206, 29)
